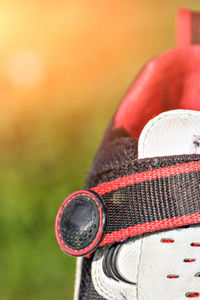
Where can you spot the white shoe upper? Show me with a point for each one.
(163, 265)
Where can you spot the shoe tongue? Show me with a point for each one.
(174, 132)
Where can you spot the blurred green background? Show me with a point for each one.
(64, 67)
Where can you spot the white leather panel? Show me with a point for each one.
(170, 133)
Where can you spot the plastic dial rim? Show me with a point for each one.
(102, 223)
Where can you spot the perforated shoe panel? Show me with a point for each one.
(164, 266)
(168, 270)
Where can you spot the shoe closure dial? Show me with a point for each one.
(80, 223)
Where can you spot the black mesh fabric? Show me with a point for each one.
(116, 152)
(117, 147)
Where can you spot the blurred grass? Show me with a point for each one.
(49, 134)
(43, 159)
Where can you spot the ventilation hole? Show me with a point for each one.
(173, 276)
(195, 244)
(167, 241)
(189, 260)
(192, 295)
(197, 274)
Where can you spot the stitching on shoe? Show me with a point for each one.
(101, 285)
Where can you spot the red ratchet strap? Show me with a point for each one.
(164, 196)
(188, 28)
